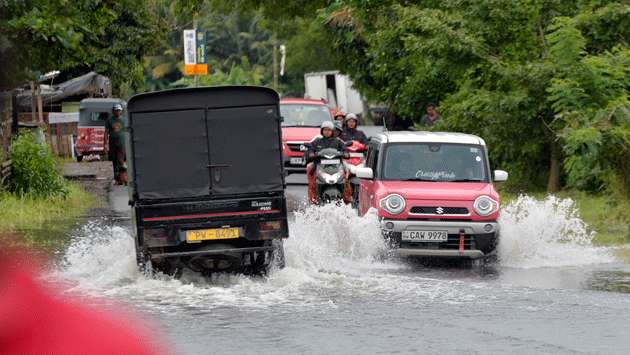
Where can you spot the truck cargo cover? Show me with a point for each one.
(218, 141)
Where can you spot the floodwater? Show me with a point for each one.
(551, 292)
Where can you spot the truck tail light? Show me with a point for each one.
(270, 226)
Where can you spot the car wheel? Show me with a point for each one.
(79, 158)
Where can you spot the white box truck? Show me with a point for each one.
(336, 89)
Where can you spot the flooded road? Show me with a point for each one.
(551, 292)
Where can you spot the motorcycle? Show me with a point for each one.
(330, 175)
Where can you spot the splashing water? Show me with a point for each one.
(332, 254)
(333, 238)
(547, 233)
(100, 256)
(330, 248)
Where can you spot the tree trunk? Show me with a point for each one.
(553, 184)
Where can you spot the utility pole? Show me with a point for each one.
(275, 63)
(196, 77)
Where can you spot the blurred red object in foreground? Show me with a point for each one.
(35, 319)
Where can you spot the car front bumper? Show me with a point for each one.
(453, 227)
(466, 239)
(439, 253)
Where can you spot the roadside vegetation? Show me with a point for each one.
(38, 202)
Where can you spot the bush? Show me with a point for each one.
(33, 169)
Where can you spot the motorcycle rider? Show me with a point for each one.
(327, 140)
(350, 132)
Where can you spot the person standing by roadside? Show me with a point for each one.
(115, 134)
(432, 116)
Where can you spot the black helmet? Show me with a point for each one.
(338, 126)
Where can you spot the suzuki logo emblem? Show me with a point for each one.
(439, 210)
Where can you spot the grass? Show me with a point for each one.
(41, 221)
(607, 215)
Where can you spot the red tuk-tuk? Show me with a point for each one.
(93, 113)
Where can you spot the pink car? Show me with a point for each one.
(434, 193)
(302, 121)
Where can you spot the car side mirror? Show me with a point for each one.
(500, 175)
(365, 173)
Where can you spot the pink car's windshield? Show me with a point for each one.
(304, 115)
(435, 162)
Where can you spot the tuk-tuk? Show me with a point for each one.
(93, 113)
(207, 179)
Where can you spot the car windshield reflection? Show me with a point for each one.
(304, 115)
(435, 162)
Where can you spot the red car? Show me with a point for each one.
(302, 121)
(434, 193)
(93, 113)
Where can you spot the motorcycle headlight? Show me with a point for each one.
(393, 204)
(329, 178)
(485, 206)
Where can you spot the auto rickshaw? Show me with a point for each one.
(93, 113)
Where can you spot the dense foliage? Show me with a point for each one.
(110, 37)
(34, 172)
(544, 82)
(240, 46)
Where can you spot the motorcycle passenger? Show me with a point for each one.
(327, 140)
(340, 116)
(338, 129)
(350, 132)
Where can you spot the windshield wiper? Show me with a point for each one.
(464, 180)
(421, 179)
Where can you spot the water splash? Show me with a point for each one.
(332, 255)
(330, 250)
(100, 256)
(546, 233)
(333, 237)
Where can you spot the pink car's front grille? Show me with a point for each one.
(440, 211)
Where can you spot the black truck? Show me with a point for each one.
(207, 180)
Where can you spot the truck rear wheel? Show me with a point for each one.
(267, 261)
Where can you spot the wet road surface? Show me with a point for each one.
(340, 293)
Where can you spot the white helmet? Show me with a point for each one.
(351, 116)
(326, 124)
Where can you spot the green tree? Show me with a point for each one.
(110, 37)
(238, 47)
(525, 75)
